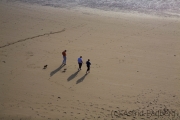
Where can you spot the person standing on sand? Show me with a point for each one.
(88, 66)
(64, 57)
(80, 62)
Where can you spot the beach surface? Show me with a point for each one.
(134, 73)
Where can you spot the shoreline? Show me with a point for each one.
(157, 14)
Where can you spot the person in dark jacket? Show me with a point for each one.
(88, 66)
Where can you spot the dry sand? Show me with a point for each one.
(135, 64)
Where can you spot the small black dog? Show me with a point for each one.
(45, 66)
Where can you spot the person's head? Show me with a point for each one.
(64, 50)
(88, 59)
(80, 56)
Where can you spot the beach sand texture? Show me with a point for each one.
(135, 64)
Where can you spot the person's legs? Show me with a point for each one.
(88, 68)
(64, 60)
(80, 64)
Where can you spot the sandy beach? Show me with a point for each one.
(134, 73)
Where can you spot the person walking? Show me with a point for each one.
(64, 57)
(80, 62)
(88, 66)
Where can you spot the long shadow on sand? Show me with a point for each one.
(81, 79)
(73, 76)
(56, 70)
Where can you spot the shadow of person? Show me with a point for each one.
(72, 76)
(56, 70)
(81, 79)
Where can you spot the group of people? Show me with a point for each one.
(80, 62)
